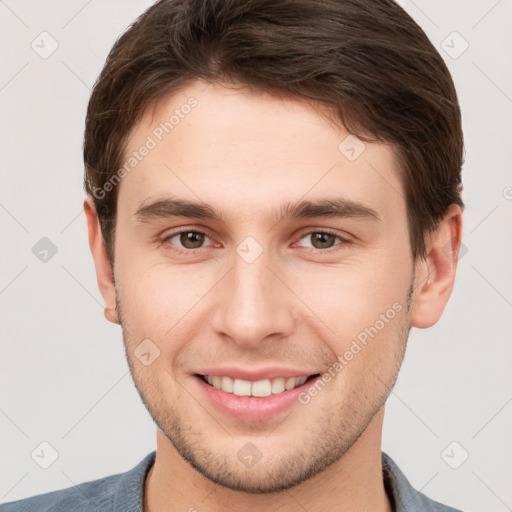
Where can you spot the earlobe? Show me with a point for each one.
(104, 272)
(111, 315)
(435, 275)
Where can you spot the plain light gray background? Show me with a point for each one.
(63, 375)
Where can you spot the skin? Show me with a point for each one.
(246, 154)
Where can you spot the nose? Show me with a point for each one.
(253, 304)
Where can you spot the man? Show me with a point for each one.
(273, 202)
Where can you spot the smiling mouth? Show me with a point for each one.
(259, 388)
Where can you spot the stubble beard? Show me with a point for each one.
(334, 433)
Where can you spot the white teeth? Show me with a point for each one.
(290, 383)
(227, 384)
(242, 387)
(277, 385)
(260, 388)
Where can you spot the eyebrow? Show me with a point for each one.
(337, 207)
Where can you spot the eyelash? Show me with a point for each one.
(344, 241)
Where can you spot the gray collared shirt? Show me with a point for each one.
(124, 493)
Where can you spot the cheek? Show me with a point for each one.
(158, 298)
(349, 298)
(363, 313)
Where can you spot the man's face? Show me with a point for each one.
(261, 295)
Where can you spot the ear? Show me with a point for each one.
(435, 274)
(104, 272)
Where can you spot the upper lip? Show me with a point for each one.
(254, 374)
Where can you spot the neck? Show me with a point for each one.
(354, 482)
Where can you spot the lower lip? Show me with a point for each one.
(251, 408)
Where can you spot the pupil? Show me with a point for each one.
(191, 239)
(323, 239)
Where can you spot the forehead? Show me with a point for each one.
(245, 151)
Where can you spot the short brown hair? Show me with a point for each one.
(369, 61)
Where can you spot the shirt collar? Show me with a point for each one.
(403, 497)
(128, 496)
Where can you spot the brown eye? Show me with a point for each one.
(186, 241)
(191, 239)
(323, 240)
